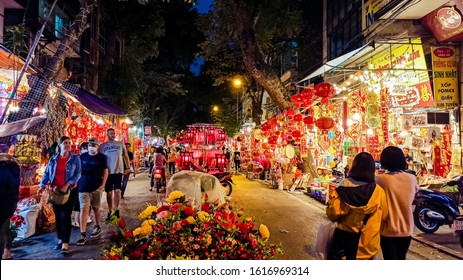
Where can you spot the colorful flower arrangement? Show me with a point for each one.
(16, 221)
(179, 231)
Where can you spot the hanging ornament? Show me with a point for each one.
(324, 90)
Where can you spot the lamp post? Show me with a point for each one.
(238, 83)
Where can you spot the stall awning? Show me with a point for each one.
(17, 127)
(92, 102)
(9, 60)
(340, 61)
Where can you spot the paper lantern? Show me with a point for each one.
(324, 123)
(296, 134)
(324, 90)
(297, 117)
(308, 120)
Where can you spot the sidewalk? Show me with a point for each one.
(40, 247)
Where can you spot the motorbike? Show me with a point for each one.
(225, 179)
(157, 180)
(433, 209)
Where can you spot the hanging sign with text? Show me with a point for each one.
(445, 75)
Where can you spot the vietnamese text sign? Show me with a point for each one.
(445, 75)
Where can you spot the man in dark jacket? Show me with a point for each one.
(9, 193)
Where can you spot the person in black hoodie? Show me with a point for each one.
(9, 193)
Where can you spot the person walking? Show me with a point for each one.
(125, 179)
(91, 186)
(400, 188)
(116, 157)
(237, 160)
(76, 211)
(63, 172)
(172, 158)
(358, 206)
(9, 193)
(151, 155)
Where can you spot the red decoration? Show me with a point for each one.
(324, 123)
(308, 120)
(72, 131)
(324, 90)
(296, 134)
(297, 117)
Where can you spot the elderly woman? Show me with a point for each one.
(63, 172)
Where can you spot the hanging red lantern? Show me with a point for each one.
(125, 126)
(297, 117)
(325, 100)
(297, 100)
(308, 120)
(324, 90)
(296, 134)
(324, 123)
(307, 93)
(290, 112)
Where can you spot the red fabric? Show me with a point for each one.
(60, 174)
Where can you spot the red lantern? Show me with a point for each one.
(297, 100)
(324, 123)
(297, 117)
(308, 120)
(296, 134)
(324, 90)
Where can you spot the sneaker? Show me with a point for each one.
(96, 232)
(110, 214)
(81, 240)
(116, 213)
(65, 251)
(151, 189)
(75, 224)
(58, 246)
(89, 219)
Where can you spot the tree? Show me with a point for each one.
(49, 74)
(259, 28)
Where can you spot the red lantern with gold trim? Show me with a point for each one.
(324, 123)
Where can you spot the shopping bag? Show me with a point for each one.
(324, 238)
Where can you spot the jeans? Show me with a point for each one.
(63, 217)
(395, 248)
(171, 168)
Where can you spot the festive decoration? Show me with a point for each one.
(176, 230)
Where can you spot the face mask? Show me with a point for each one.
(83, 151)
(93, 150)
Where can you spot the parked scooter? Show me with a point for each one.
(433, 209)
(225, 179)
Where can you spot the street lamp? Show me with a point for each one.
(215, 108)
(238, 83)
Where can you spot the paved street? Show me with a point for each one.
(292, 218)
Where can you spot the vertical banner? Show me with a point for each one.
(445, 75)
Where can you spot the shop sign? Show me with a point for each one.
(445, 23)
(370, 10)
(406, 92)
(445, 75)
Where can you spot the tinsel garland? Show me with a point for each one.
(56, 109)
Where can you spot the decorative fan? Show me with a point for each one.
(258, 134)
(289, 151)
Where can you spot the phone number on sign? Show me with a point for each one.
(288, 270)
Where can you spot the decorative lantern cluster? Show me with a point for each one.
(186, 159)
(204, 134)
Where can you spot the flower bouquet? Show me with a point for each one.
(178, 231)
(16, 221)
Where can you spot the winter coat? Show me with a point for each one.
(9, 186)
(350, 203)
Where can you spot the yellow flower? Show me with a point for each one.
(147, 227)
(116, 251)
(202, 216)
(136, 231)
(173, 196)
(264, 232)
(208, 240)
(147, 212)
(191, 220)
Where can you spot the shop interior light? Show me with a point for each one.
(350, 122)
(356, 117)
(403, 134)
(369, 131)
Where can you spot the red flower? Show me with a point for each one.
(188, 211)
(163, 208)
(185, 223)
(206, 207)
(121, 223)
(128, 234)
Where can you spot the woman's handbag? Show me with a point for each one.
(58, 197)
(324, 238)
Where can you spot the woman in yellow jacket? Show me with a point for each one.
(358, 206)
